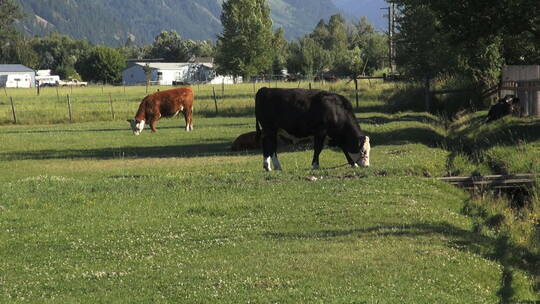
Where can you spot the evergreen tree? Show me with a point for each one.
(243, 48)
(169, 46)
(9, 38)
(281, 52)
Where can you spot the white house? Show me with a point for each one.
(17, 76)
(169, 73)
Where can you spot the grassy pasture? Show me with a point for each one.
(91, 213)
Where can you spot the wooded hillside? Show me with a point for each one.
(111, 22)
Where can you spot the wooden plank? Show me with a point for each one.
(492, 181)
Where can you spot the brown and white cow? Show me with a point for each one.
(166, 103)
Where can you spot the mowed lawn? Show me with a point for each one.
(90, 213)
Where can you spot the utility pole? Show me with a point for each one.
(391, 29)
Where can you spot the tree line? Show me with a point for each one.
(466, 39)
(247, 47)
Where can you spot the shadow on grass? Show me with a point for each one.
(187, 151)
(424, 136)
(500, 249)
(239, 111)
(377, 108)
(408, 117)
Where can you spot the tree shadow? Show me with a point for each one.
(425, 136)
(510, 256)
(185, 151)
(368, 108)
(237, 111)
(378, 120)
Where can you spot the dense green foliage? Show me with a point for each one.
(102, 64)
(471, 39)
(9, 38)
(341, 50)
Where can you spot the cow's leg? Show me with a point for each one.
(188, 113)
(275, 161)
(318, 144)
(349, 159)
(153, 123)
(269, 142)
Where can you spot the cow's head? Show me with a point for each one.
(360, 154)
(136, 126)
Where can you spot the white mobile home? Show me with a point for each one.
(44, 78)
(167, 73)
(16, 76)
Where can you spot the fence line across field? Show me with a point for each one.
(117, 102)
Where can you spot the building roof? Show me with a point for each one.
(163, 65)
(14, 68)
(170, 65)
(201, 59)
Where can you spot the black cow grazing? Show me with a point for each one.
(304, 113)
(505, 106)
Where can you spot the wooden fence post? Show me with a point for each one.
(310, 85)
(69, 109)
(427, 94)
(5, 91)
(13, 111)
(215, 99)
(356, 90)
(223, 88)
(111, 103)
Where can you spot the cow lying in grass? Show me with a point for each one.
(250, 141)
(303, 113)
(166, 103)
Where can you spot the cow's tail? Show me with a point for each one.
(258, 132)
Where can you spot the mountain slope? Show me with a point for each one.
(111, 22)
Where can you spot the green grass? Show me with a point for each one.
(90, 213)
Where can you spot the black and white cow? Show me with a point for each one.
(304, 113)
